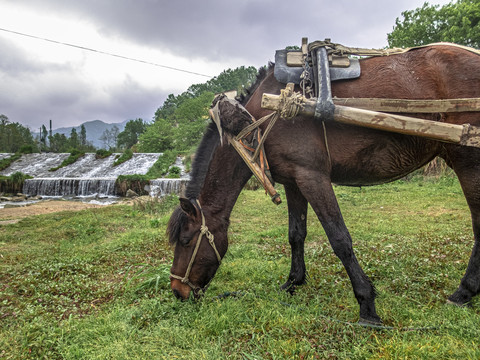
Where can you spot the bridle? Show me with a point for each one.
(203, 231)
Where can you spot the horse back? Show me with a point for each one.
(358, 156)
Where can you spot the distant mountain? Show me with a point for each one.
(94, 129)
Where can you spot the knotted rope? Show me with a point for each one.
(292, 104)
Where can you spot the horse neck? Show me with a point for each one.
(227, 173)
(225, 179)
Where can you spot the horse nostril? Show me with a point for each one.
(177, 294)
(180, 290)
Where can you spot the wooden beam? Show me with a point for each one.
(411, 106)
(398, 123)
(465, 134)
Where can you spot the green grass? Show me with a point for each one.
(94, 284)
(125, 156)
(5, 163)
(74, 156)
(161, 167)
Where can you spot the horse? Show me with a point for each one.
(306, 156)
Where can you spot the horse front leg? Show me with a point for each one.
(297, 231)
(318, 191)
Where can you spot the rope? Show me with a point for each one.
(339, 49)
(272, 122)
(292, 104)
(326, 144)
(248, 129)
(203, 231)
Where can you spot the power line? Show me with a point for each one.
(104, 53)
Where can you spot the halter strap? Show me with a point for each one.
(203, 231)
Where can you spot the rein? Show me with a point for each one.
(203, 231)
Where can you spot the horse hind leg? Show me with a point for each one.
(297, 231)
(319, 193)
(466, 164)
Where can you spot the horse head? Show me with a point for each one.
(218, 175)
(199, 248)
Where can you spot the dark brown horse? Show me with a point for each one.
(299, 160)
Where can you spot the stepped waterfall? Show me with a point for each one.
(88, 176)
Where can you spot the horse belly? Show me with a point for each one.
(368, 157)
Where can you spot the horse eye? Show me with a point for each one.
(184, 240)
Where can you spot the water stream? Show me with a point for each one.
(88, 176)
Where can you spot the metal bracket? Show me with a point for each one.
(325, 108)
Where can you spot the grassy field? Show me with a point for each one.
(94, 284)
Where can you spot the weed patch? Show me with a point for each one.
(74, 156)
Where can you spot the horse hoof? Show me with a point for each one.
(288, 287)
(370, 323)
(457, 304)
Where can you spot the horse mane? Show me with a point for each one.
(262, 74)
(201, 161)
(203, 156)
(210, 141)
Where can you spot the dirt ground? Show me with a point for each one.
(15, 214)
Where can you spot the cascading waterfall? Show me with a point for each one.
(89, 176)
(70, 187)
(162, 187)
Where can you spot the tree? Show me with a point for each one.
(158, 137)
(3, 133)
(83, 136)
(238, 79)
(182, 119)
(192, 118)
(14, 136)
(109, 137)
(59, 143)
(454, 22)
(43, 138)
(114, 134)
(74, 141)
(3, 120)
(129, 136)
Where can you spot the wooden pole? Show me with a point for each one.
(411, 106)
(255, 170)
(465, 134)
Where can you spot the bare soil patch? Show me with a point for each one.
(14, 214)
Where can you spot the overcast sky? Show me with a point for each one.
(41, 80)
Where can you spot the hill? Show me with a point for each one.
(94, 129)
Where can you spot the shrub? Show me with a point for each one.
(126, 155)
(74, 156)
(174, 172)
(5, 163)
(102, 154)
(134, 182)
(13, 183)
(28, 149)
(162, 165)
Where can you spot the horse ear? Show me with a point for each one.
(188, 207)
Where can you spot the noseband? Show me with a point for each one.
(203, 231)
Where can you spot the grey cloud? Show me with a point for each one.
(243, 31)
(219, 29)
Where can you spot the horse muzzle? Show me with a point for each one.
(180, 290)
(183, 291)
